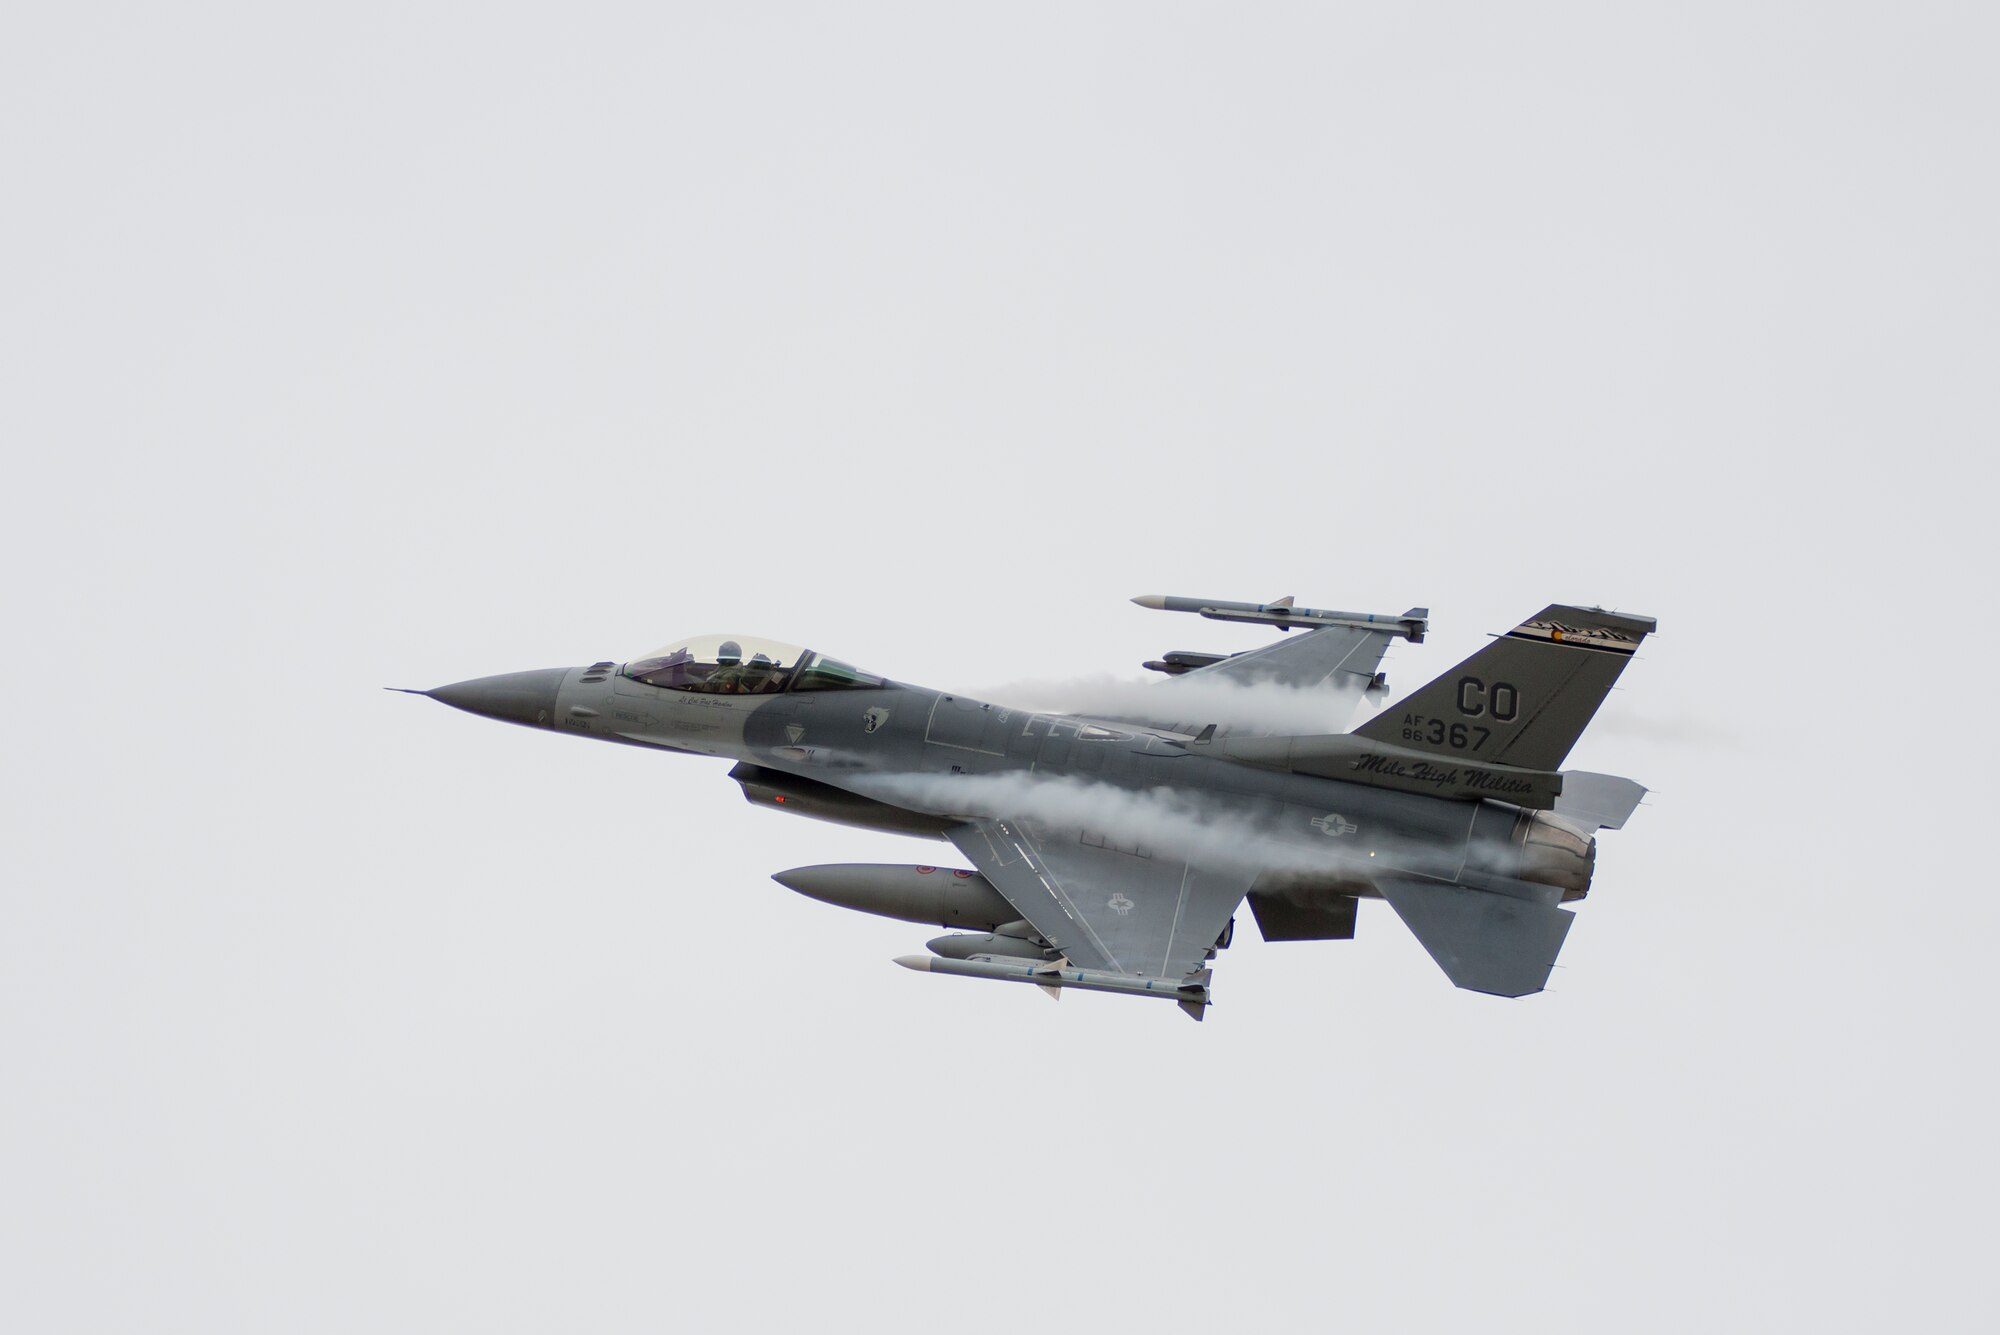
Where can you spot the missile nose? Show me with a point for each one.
(511, 697)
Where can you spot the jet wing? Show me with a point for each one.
(1304, 684)
(1110, 909)
(1339, 657)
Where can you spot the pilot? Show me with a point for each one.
(726, 677)
(760, 677)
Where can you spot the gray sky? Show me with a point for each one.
(359, 345)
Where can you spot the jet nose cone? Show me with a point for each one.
(511, 697)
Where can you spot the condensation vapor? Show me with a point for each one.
(1197, 828)
(1161, 820)
(1189, 704)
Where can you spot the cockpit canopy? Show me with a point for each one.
(744, 665)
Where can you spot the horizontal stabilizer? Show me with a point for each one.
(1598, 801)
(1484, 941)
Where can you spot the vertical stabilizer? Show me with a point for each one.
(1524, 699)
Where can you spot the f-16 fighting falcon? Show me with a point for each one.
(1110, 853)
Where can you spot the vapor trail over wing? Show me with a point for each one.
(1311, 682)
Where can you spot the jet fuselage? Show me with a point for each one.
(924, 759)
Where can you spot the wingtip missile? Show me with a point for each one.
(1286, 615)
(1191, 993)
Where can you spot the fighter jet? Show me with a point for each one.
(1111, 853)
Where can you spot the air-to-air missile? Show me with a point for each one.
(1008, 950)
(1191, 992)
(1410, 626)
